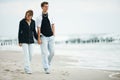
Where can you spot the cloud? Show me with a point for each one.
(17, 7)
(79, 15)
(89, 6)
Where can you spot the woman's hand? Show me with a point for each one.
(20, 44)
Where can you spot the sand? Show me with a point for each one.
(11, 68)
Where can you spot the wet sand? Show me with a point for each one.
(12, 68)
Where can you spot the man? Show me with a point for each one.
(46, 33)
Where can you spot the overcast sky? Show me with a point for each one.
(71, 16)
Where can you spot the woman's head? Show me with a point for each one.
(29, 14)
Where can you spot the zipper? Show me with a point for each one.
(29, 34)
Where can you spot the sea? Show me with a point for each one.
(104, 56)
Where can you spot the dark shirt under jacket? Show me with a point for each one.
(26, 32)
(46, 28)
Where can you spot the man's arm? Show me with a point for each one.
(39, 39)
(53, 29)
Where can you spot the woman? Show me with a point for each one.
(26, 35)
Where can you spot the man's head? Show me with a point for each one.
(44, 6)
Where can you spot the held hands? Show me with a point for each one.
(20, 44)
(39, 41)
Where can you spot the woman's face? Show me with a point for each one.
(28, 16)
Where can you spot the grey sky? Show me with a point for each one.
(71, 16)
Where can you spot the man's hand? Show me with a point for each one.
(53, 29)
(20, 44)
(39, 41)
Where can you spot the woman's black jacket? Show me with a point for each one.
(26, 32)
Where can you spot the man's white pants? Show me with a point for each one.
(47, 50)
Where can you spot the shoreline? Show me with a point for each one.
(73, 59)
(11, 64)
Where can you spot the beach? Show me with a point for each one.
(12, 68)
(86, 34)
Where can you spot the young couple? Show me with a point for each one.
(44, 35)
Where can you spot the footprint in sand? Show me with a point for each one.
(22, 72)
(11, 71)
(19, 70)
(66, 73)
(7, 70)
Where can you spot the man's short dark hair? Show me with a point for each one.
(43, 3)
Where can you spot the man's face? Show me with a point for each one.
(45, 8)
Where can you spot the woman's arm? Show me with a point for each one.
(19, 34)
